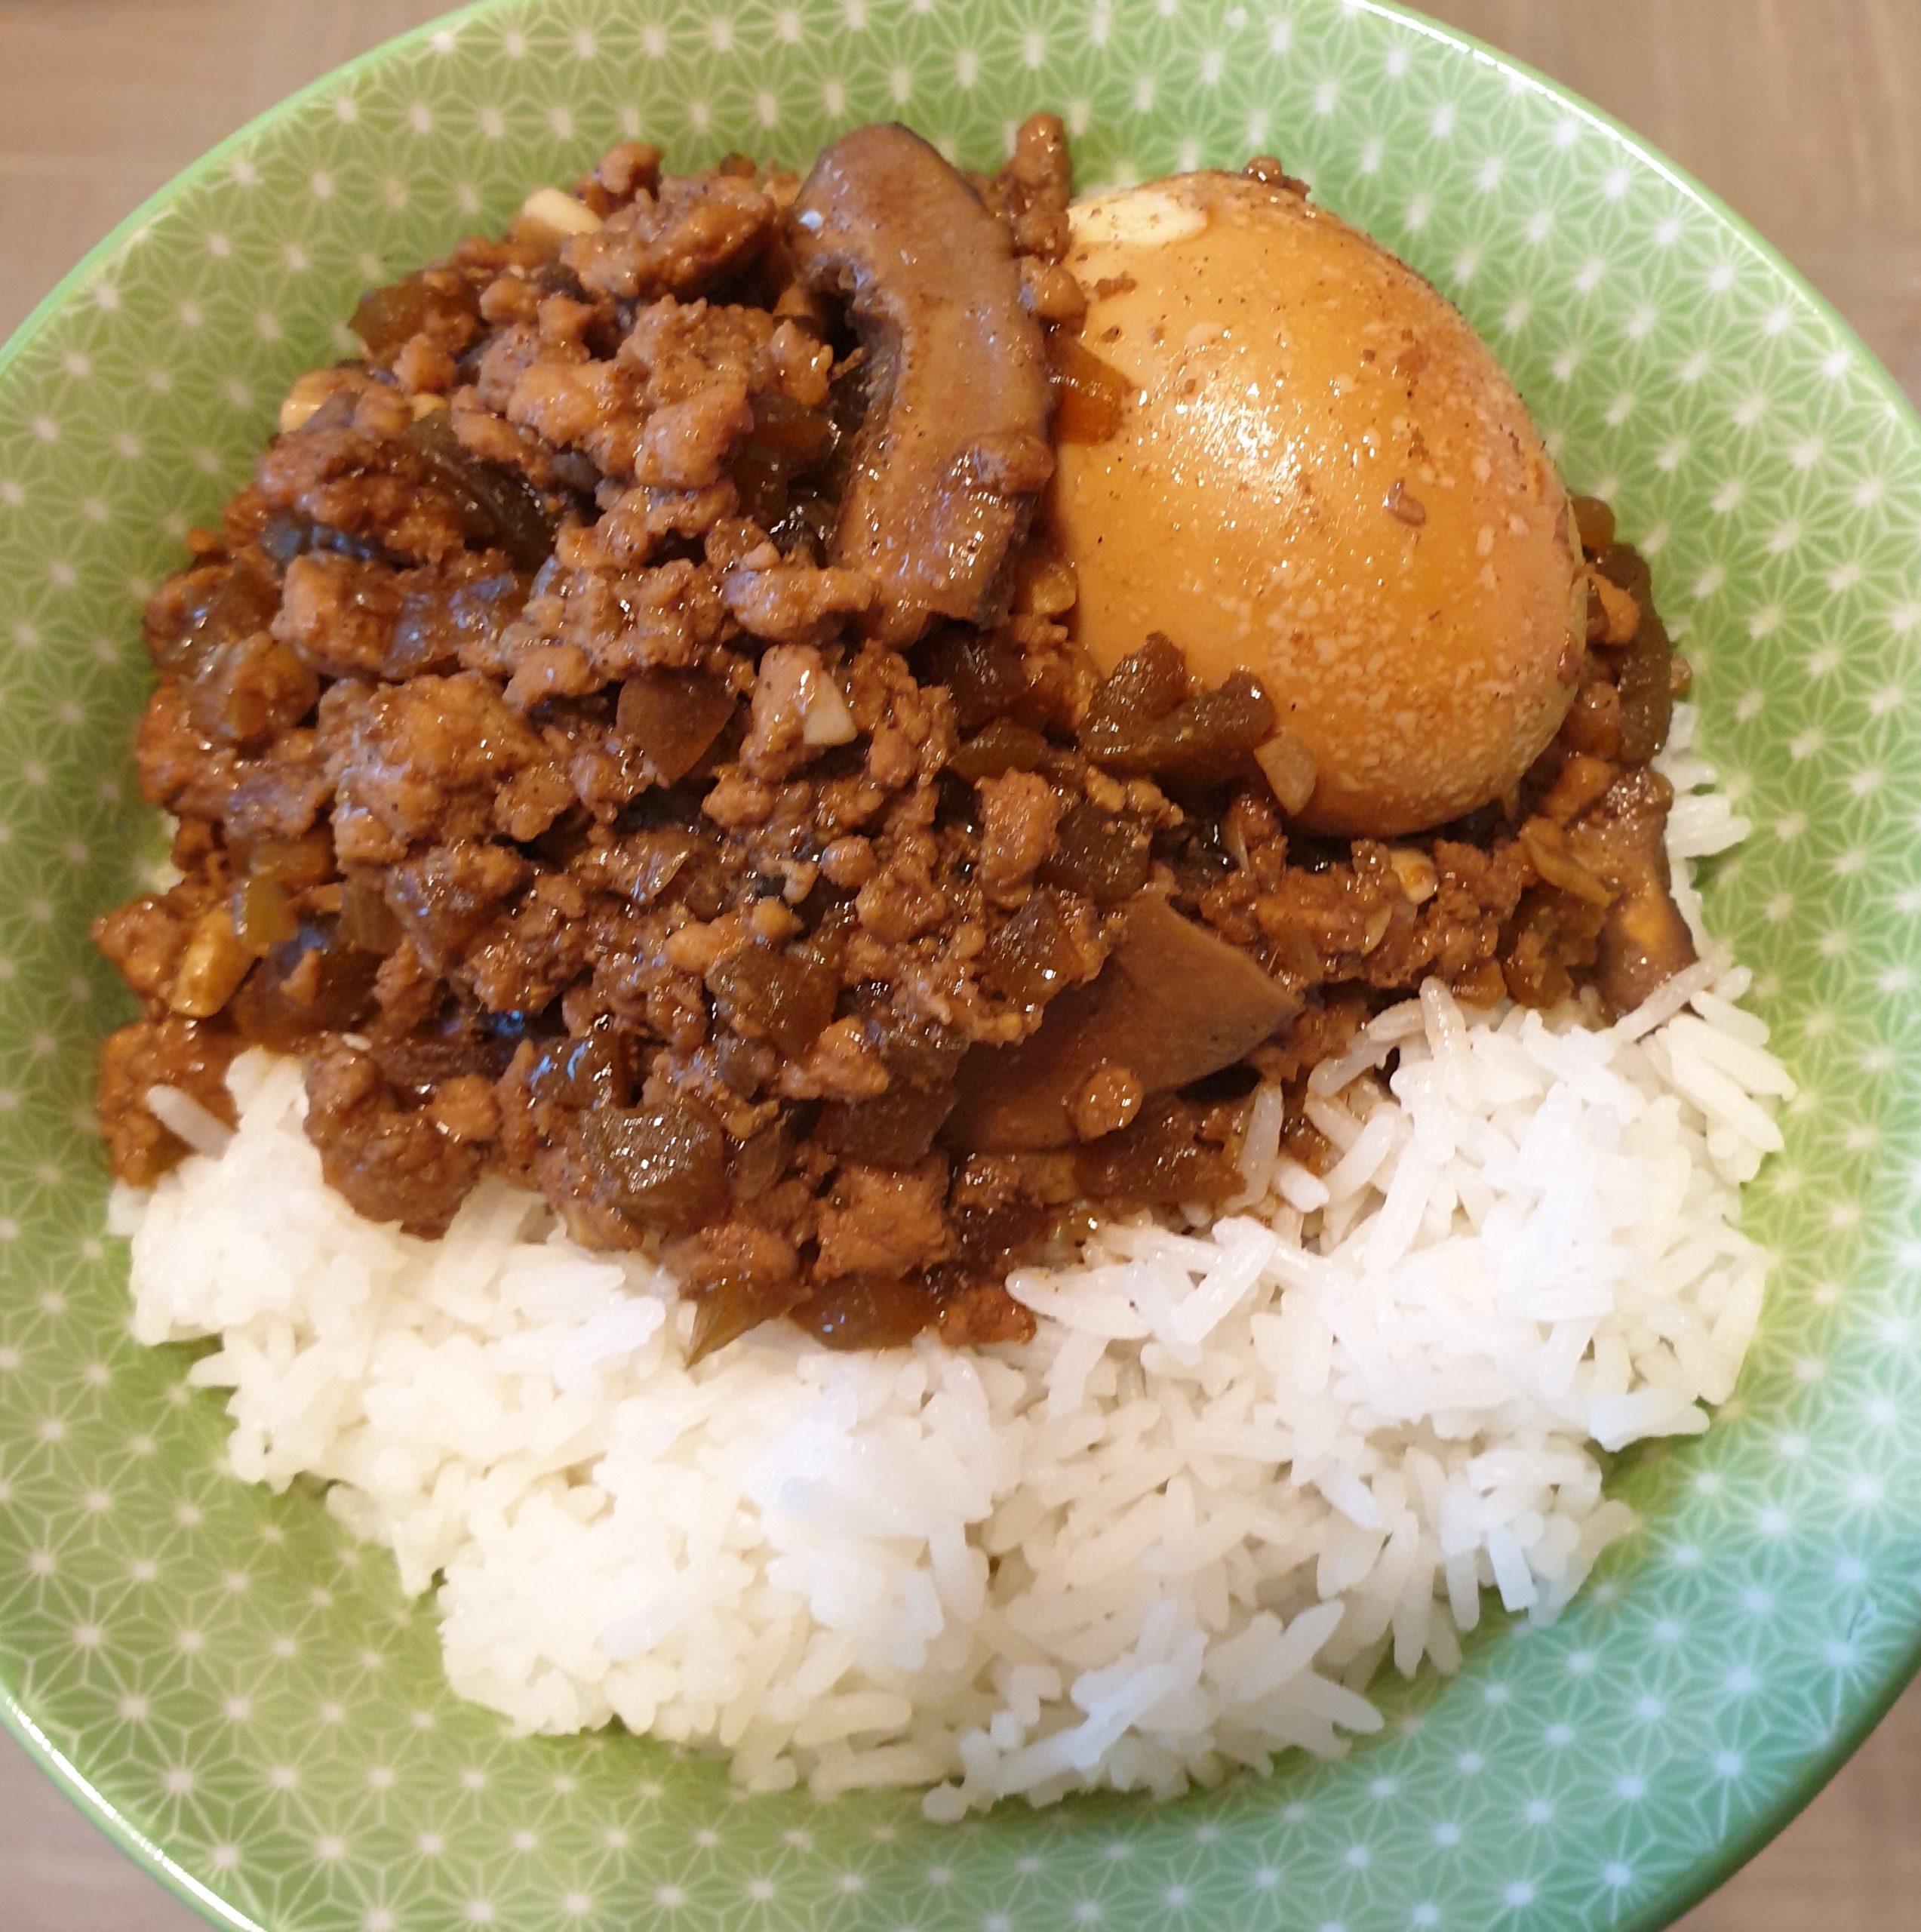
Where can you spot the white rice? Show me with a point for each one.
(1236, 1470)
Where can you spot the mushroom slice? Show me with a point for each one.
(1644, 941)
(953, 452)
(1173, 1003)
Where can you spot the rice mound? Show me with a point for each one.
(1238, 1468)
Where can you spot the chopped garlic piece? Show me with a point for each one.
(554, 210)
(305, 397)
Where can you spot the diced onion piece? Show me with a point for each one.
(1290, 767)
(559, 212)
(263, 916)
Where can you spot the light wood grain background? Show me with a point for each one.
(1802, 113)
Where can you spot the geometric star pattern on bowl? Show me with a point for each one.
(248, 1698)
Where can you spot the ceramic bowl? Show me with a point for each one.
(243, 1697)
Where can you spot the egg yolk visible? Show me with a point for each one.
(1301, 460)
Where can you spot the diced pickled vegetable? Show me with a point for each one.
(1161, 1161)
(366, 920)
(1037, 954)
(264, 916)
(985, 674)
(864, 1313)
(433, 301)
(1101, 857)
(1003, 746)
(664, 1166)
(313, 983)
(766, 994)
(245, 690)
(726, 1309)
(673, 716)
(595, 1070)
(1595, 521)
(895, 1129)
(1143, 723)
(497, 507)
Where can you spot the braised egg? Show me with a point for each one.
(1284, 449)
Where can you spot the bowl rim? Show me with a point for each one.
(1818, 1768)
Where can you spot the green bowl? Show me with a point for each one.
(242, 1696)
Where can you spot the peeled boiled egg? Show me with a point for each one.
(1314, 469)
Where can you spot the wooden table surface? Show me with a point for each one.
(1797, 111)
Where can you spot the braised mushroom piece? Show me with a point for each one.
(950, 461)
(1643, 939)
(1173, 1004)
